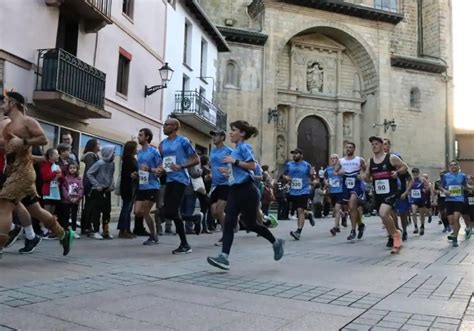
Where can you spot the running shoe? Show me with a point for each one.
(150, 242)
(389, 242)
(97, 236)
(452, 237)
(30, 245)
(360, 229)
(273, 220)
(404, 236)
(278, 249)
(183, 249)
(468, 233)
(429, 219)
(219, 261)
(397, 243)
(76, 236)
(445, 229)
(333, 231)
(352, 236)
(218, 243)
(13, 236)
(440, 222)
(295, 234)
(455, 243)
(422, 230)
(198, 224)
(415, 231)
(311, 218)
(66, 242)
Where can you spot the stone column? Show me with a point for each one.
(339, 133)
(292, 130)
(356, 132)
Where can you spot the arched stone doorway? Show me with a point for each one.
(313, 139)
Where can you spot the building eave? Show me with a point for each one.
(207, 25)
(350, 9)
(417, 64)
(243, 36)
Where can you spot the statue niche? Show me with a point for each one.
(315, 77)
(281, 150)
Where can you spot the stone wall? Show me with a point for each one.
(220, 10)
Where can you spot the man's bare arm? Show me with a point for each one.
(37, 136)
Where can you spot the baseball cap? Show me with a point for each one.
(217, 133)
(16, 96)
(297, 150)
(415, 170)
(375, 138)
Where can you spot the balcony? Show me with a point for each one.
(96, 13)
(69, 86)
(198, 112)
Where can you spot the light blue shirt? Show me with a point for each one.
(151, 158)
(176, 151)
(300, 177)
(454, 183)
(335, 182)
(217, 161)
(242, 152)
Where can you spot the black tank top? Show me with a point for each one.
(384, 184)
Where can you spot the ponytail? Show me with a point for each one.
(244, 126)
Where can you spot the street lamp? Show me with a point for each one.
(386, 125)
(166, 73)
(273, 114)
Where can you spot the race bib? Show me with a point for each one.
(455, 190)
(143, 177)
(416, 194)
(350, 182)
(382, 186)
(168, 161)
(231, 175)
(334, 182)
(296, 183)
(470, 201)
(442, 195)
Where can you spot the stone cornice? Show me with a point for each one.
(418, 64)
(243, 36)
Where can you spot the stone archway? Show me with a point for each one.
(313, 139)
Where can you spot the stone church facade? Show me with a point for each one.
(315, 74)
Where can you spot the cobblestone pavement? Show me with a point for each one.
(323, 283)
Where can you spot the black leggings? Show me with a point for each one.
(172, 201)
(243, 199)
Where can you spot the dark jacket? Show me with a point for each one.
(127, 183)
(89, 159)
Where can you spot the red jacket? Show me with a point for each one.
(47, 176)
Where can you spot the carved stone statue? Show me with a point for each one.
(281, 149)
(315, 77)
(282, 121)
(347, 125)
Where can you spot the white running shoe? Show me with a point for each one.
(76, 236)
(97, 236)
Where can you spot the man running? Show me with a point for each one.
(299, 172)
(149, 160)
(418, 200)
(384, 169)
(220, 183)
(442, 203)
(20, 135)
(334, 183)
(453, 184)
(350, 168)
(178, 154)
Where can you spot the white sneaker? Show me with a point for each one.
(76, 236)
(97, 236)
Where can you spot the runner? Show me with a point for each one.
(20, 135)
(149, 160)
(429, 194)
(402, 206)
(350, 167)
(334, 184)
(243, 195)
(384, 169)
(178, 154)
(442, 204)
(418, 196)
(220, 183)
(469, 211)
(299, 172)
(453, 185)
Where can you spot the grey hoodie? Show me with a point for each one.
(101, 173)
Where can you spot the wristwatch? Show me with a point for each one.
(236, 162)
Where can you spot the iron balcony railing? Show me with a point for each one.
(104, 6)
(192, 102)
(61, 71)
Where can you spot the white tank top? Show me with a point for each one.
(351, 168)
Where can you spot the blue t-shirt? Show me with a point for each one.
(217, 161)
(454, 183)
(239, 175)
(300, 177)
(335, 182)
(416, 192)
(151, 158)
(176, 151)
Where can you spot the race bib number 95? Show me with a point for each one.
(143, 177)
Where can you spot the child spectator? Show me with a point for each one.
(101, 178)
(72, 191)
(318, 200)
(64, 151)
(50, 175)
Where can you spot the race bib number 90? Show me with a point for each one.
(382, 186)
(416, 194)
(168, 161)
(296, 183)
(455, 190)
(350, 182)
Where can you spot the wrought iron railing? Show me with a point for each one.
(104, 6)
(193, 102)
(61, 71)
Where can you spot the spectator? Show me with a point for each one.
(72, 191)
(64, 151)
(318, 200)
(50, 175)
(66, 138)
(128, 187)
(91, 155)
